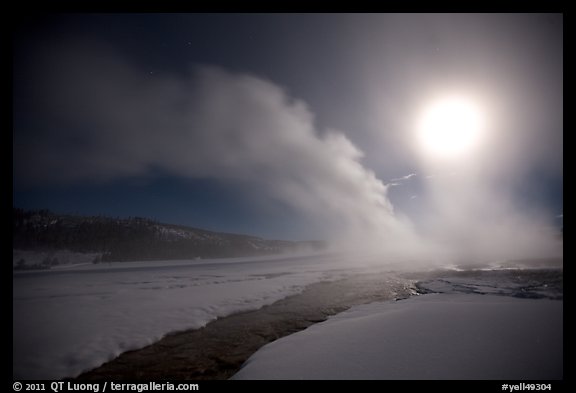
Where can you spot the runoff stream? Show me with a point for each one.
(218, 350)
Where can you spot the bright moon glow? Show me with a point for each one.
(450, 127)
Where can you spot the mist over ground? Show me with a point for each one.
(426, 151)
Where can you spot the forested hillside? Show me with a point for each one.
(135, 238)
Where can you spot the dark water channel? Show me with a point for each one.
(218, 350)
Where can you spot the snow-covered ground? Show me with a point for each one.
(72, 319)
(434, 336)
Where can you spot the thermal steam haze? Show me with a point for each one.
(89, 111)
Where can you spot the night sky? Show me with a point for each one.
(287, 125)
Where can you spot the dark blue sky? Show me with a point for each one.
(255, 123)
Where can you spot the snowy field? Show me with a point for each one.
(72, 319)
(434, 336)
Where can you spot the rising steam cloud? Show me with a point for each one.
(98, 117)
(117, 121)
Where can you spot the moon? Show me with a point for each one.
(450, 127)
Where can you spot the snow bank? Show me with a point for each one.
(437, 336)
(73, 319)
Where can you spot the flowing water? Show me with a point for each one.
(218, 350)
